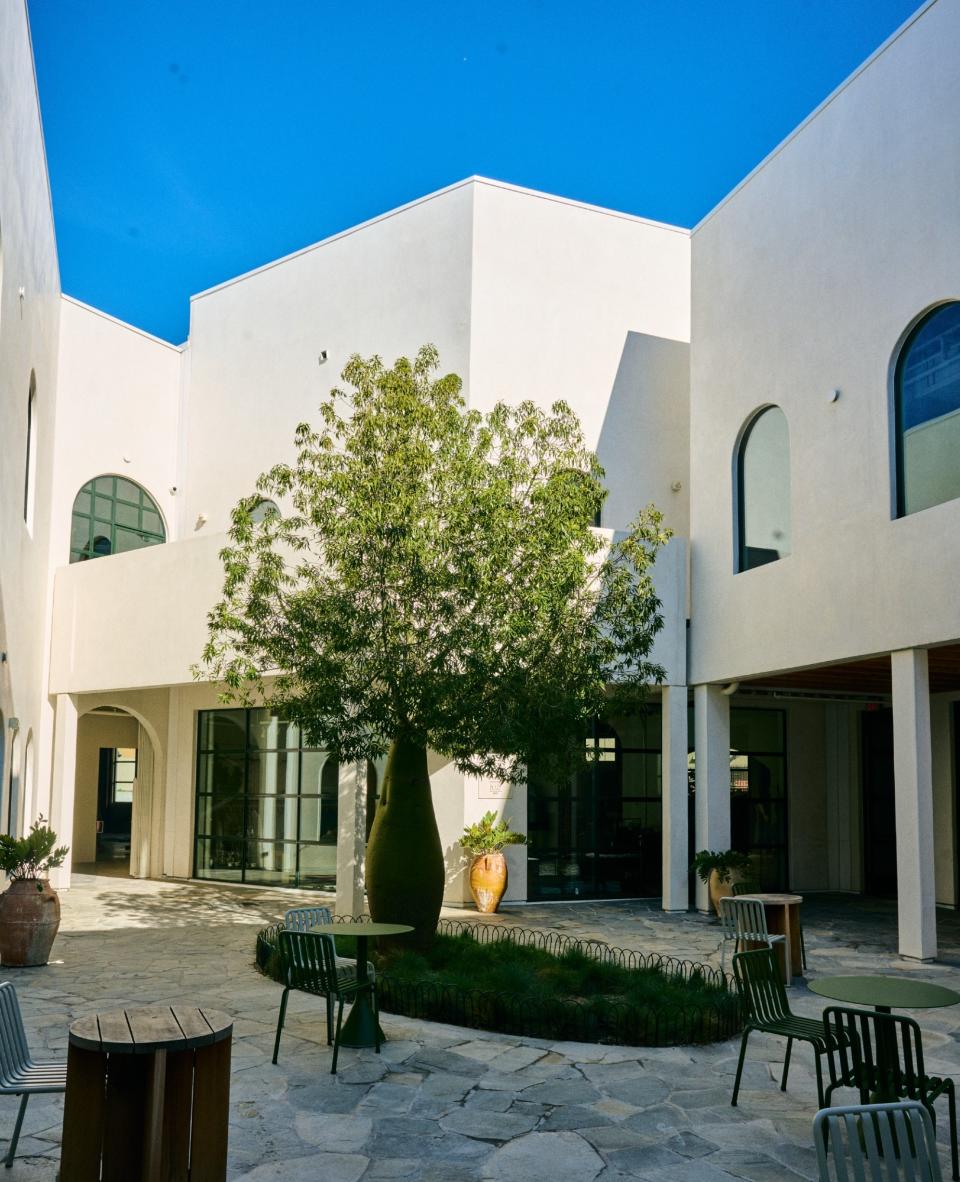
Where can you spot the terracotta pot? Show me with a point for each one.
(488, 881)
(722, 890)
(29, 919)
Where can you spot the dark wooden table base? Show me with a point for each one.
(149, 1104)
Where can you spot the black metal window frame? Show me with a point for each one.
(241, 842)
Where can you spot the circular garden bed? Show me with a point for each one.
(520, 981)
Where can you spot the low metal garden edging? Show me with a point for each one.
(613, 1022)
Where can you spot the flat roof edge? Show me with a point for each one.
(122, 323)
(390, 213)
(818, 110)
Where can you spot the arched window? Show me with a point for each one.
(927, 396)
(264, 508)
(763, 490)
(112, 515)
(30, 463)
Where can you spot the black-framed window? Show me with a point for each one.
(597, 833)
(763, 491)
(758, 791)
(266, 807)
(111, 515)
(927, 412)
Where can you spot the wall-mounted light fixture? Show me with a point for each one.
(676, 486)
(323, 357)
(833, 396)
(202, 519)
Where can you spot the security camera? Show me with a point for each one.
(173, 490)
(322, 358)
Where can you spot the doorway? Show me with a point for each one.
(115, 783)
(879, 814)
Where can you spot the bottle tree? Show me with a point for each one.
(434, 584)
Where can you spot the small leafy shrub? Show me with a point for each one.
(489, 836)
(31, 857)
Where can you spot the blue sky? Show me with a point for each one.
(190, 140)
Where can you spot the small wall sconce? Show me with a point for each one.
(323, 357)
(676, 486)
(202, 519)
(833, 396)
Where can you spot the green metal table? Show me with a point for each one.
(885, 993)
(360, 1028)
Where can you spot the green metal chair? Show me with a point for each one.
(751, 887)
(765, 1000)
(882, 1056)
(879, 1142)
(309, 966)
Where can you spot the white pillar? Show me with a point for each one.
(712, 738)
(351, 837)
(64, 781)
(913, 793)
(674, 795)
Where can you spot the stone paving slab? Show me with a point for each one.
(442, 1104)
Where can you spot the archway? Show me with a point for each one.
(113, 817)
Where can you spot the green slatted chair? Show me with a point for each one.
(882, 1056)
(765, 999)
(309, 966)
(751, 887)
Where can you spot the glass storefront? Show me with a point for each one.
(266, 807)
(598, 833)
(758, 791)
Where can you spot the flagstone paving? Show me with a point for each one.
(442, 1104)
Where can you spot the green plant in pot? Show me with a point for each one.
(483, 841)
(720, 869)
(29, 907)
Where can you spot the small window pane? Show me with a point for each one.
(128, 515)
(222, 774)
(928, 412)
(754, 729)
(103, 509)
(151, 522)
(128, 491)
(84, 502)
(225, 730)
(104, 484)
(269, 731)
(272, 818)
(764, 490)
(271, 862)
(220, 859)
(128, 539)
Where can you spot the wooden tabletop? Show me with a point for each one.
(151, 1028)
(773, 898)
(898, 993)
(361, 929)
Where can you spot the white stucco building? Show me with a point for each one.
(783, 380)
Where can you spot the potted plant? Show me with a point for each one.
(484, 842)
(29, 907)
(720, 869)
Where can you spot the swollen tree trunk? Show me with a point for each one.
(405, 869)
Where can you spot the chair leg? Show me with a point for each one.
(952, 1109)
(336, 1040)
(786, 1065)
(376, 1016)
(329, 1020)
(803, 950)
(11, 1152)
(743, 1052)
(283, 1014)
(821, 1102)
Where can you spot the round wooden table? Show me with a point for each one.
(360, 1028)
(783, 919)
(148, 1096)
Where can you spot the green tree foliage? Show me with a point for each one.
(436, 586)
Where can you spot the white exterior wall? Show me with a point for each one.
(118, 411)
(591, 307)
(387, 287)
(28, 345)
(805, 280)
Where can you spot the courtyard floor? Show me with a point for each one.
(442, 1104)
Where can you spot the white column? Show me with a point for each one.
(674, 793)
(913, 793)
(351, 837)
(64, 781)
(712, 739)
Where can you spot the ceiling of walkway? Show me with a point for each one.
(869, 676)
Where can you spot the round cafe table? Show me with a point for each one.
(885, 993)
(360, 1028)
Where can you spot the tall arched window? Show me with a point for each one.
(927, 396)
(763, 490)
(112, 515)
(264, 508)
(30, 464)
